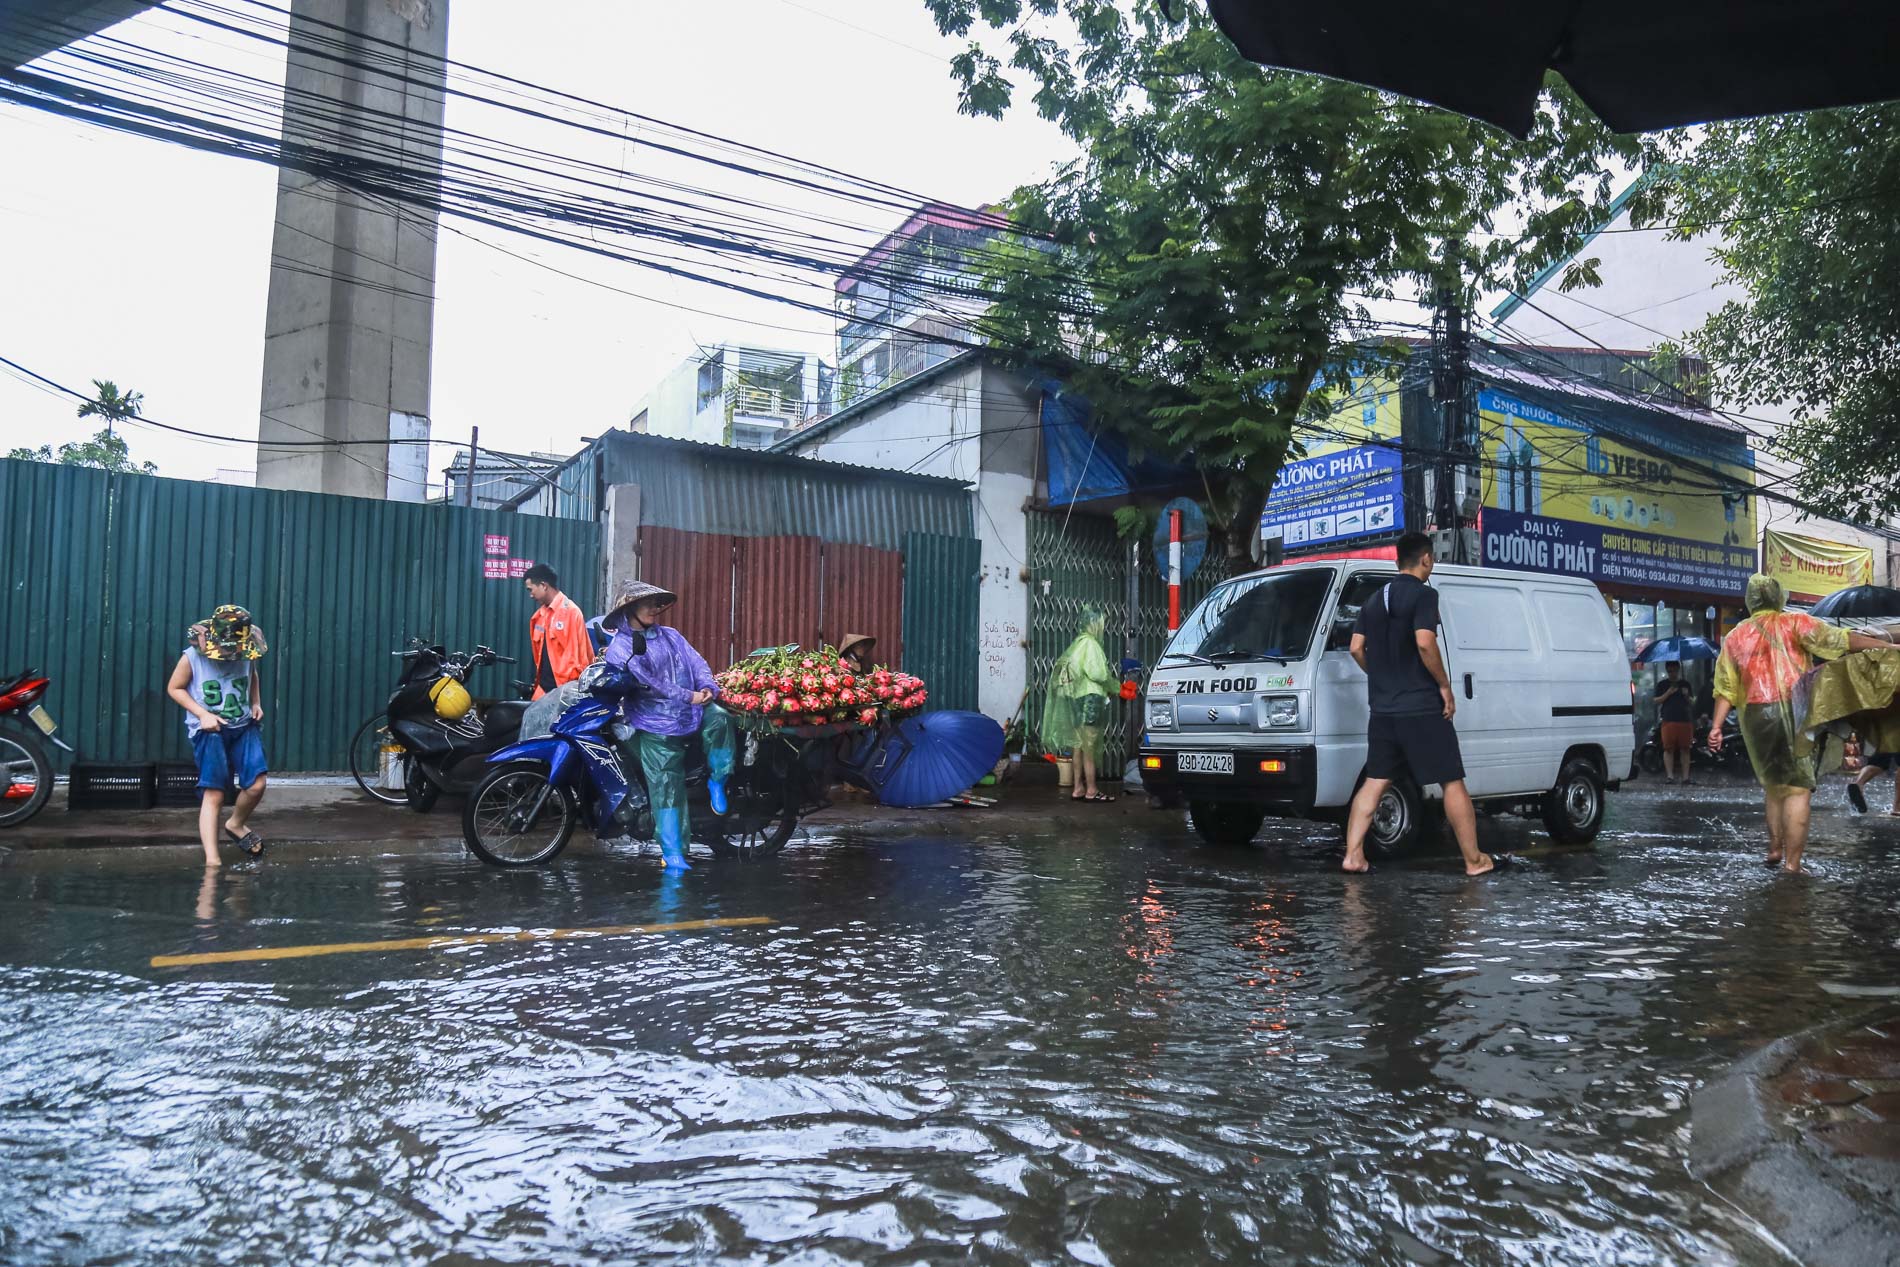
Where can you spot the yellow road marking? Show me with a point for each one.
(451, 940)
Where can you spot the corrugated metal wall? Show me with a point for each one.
(714, 489)
(780, 581)
(864, 593)
(941, 616)
(337, 583)
(698, 567)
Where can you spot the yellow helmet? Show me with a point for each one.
(451, 699)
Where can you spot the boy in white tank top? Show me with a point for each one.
(217, 684)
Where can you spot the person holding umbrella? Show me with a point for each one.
(1678, 722)
(1760, 664)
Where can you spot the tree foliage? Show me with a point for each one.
(106, 450)
(1212, 255)
(1805, 210)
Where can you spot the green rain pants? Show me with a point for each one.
(663, 760)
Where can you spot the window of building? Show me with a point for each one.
(639, 422)
(712, 378)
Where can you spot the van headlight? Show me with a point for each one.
(1161, 714)
(1282, 712)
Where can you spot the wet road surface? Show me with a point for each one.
(1087, 1039)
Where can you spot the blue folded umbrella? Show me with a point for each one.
(1665, 649)
(931, 757)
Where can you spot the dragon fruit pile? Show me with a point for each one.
(793, 687)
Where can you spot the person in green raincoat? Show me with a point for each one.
(1760, 664)
(1075, 709)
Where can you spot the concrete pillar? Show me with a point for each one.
(619, 540)
(351, 313)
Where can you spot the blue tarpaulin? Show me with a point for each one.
(1087, 464)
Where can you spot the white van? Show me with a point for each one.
(1257, 708)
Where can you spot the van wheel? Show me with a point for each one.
(1398, 821)
(1226, 822)
(1573, 810)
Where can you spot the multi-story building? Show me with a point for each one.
(911, 302)
(747, 397)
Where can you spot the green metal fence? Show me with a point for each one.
(105, 571)
(1077, 561)
(941, 622)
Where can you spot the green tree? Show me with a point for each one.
(1804, 210)
(1212, 255)
(106, 449)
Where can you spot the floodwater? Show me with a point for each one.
(1088, 1040)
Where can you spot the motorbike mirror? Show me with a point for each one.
(639, 642)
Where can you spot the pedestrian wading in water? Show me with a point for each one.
(1760, 664)
(216, 682)
(1395, 640)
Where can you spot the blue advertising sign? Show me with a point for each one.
(1617, 556)
(1351, 493)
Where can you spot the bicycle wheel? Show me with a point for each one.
(382, 782)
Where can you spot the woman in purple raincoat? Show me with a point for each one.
(674, 701)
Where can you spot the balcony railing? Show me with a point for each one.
(749, 401)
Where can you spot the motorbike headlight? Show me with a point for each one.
(1282, 711)
(1161, 714)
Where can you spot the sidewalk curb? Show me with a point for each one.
(1817, 1212)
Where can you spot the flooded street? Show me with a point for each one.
(1085, 1038)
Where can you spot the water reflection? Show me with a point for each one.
(1116, 1047)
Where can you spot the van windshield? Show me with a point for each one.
(1256, 618)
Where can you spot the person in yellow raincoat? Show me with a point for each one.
(1756, 674)
(1075, 709)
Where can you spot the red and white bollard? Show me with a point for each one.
(1174, 570)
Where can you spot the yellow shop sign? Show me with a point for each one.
(1809, 567)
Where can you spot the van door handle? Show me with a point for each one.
(1467, 686)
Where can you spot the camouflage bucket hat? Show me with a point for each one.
(229, 635)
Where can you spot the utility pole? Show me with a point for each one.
(474, 450)
(1451, 386)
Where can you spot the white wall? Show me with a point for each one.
(976, 425)
(1654, 290)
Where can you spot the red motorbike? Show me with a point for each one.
(26, 772)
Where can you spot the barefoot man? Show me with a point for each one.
(1396, 642)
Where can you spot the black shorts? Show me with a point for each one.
(1423, 745)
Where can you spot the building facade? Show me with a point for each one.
(734, 394)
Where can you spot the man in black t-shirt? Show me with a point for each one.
(1395, 640)
(1676, 722)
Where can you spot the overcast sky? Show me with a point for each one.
(147, 264)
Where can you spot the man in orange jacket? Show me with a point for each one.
(557, 631)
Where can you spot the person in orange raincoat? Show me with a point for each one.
(557, 631)
(1756, 674)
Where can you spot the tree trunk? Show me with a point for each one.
(1250, 500)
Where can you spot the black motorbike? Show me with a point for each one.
(411, 753)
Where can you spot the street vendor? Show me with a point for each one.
(855, 652)
(1760, 664)
(675, 701)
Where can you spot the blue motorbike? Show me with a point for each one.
(537, 791)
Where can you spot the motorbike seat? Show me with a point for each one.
(503, 717)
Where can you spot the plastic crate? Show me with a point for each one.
(177, 786)
(94, 785)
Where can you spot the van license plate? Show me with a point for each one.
(1205, 763)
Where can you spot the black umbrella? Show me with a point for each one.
(1860, 600)
(1639, 66)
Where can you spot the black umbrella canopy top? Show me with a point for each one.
(1641, 67)
(1864, 601)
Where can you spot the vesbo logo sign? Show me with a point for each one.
(1623, 467)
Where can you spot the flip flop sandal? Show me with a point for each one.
(1499, 862)
(250, 842)
(1771, 863)
(1099, 799)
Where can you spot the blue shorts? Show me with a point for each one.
(223, 754)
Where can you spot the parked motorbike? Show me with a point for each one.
(1733, 756)
(26, 771)
(436, 741)
(524, 810)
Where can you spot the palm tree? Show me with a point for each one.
(111, 404)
